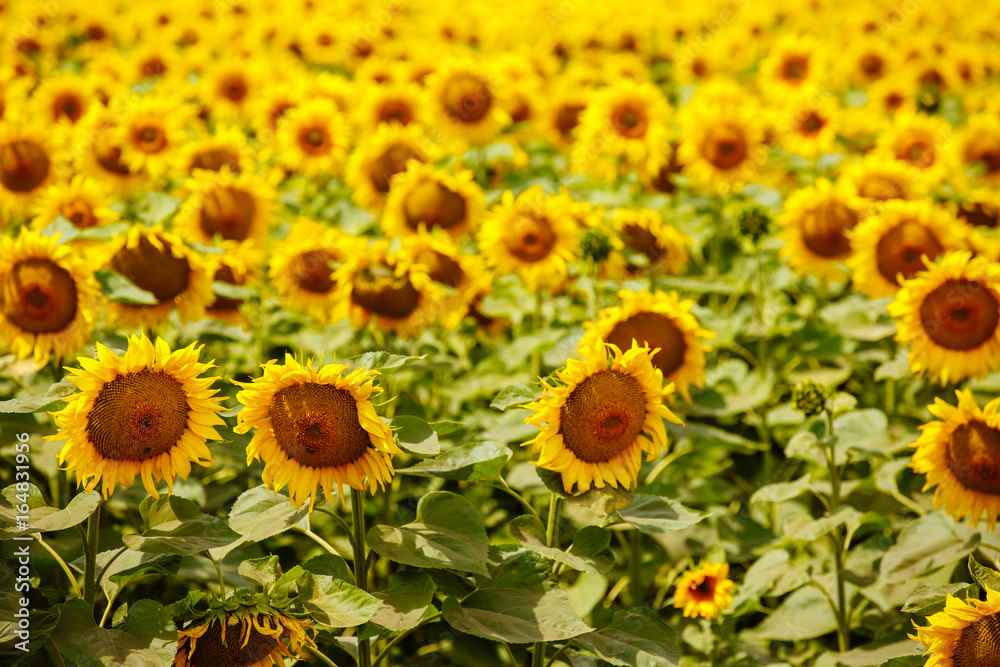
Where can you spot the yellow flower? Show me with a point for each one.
(392, 104)
(48, 297)
(227, 88)
(63, 97)
(28, 162)
(146, 413)
(815, 227)
(559, 117)
(226, 146)
(949, 316)
(920, 140)
(83, 201)
(704, 591)
(807, 124)
(231, 207)
(381, 156)
(237, 266)
(316, 427)
(424, 196)
(605, 413)
(791, 63)
(965, 633)
(979, 149)
(463, 98)
(880, 178)
(151, 133)
(312, 138)
(644, 231)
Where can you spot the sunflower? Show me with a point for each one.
(791, 63)
(644, 232)
(63, 97)
(889, 246)
(880, 178)
(979, 149)
(237, 266)
(97, 152)
(83, 201)
(316, 427)
(302, 267)
(463, 275)
(313, 138)
(704, 591)
(389, 288)
(48, 297)
(722, 137)
(965, 634)
(533, 236)
(381, 156)
(392, 104)
(226, 146)
(920, 140)
(816, 225)
(807, 124)
(227, 88)
(424, 196)
(559, 117)
(28, 163)
(662, 322)
(596, 424)
(221, 204)
(949, 317)
(146, 413)
(463, 97)
(160, 263)
(153, 129)
(893, 95)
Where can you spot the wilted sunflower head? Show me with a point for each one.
(704, 591)
(148, 412)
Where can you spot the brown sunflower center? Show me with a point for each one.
(379, 290)
(656, 330)
(399, 111)
(392, 162)
(960, 314)
(893, 101)
(318, 425)
(824, 231)
(234, 88)
(153, 269)
(642, 240)
(215, 159)
(138, 416)
(24, 165)
(812, 124)
(150, 139)
(466, 98)
(530, 239)
(153, 67)
(918, 152)
(602, 416)
(979, 644)
(795, 69)
(980, 216)
(111, 160)
(974, 456)
(67, 105)
(434, 205)
(567, 118)
(901, 249)
(311, 271)
(725, 146)
(705, 589)
(38, 296)
(873, 66)
(210, 651)
(630, 121)
(228, 212)
(314, 140)
(985, 150)
(79, 212)
(442, 268)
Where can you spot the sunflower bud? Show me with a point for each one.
(595, 245)
(754, 221)
(809, 398)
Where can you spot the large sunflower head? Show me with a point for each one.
(533, 236)
(316, 427)
(606, 411)
(28, 162)
(231, 207)
(704, 591)
(816, 225)
(422, 196)
(148, 413)
(313, 138)
(662, 322)
(949, 317)
(965, 634)
(83, 202)
(48, 297)
(379, 158)
(465, 101)
(888, 247)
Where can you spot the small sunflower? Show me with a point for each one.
(313, 138)
(147, 413)
(960, 454)
(605, 413)
(98, 153)
(965, 634)
(662, 322)
(533, 236)
(643, 231)
(226, 147)
(400, 104)
(151, 133)
(64, 97)
(979, 148)
(949, 316)
(463, 97)
(316, 428)
(559, 117)
(227, 88)
(48, 297)
(791, 63)
(704, 591)
(424, 196)
(888, 247)
(160, 263)
(28, 163)
(816, 225)
(880, 178)
(919, 140)
(83, 201)
(807, 124)
(231, 207)
(375, 162)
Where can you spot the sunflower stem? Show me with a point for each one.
(890, 396)
(433, 618)
(635, 568)
(551, 540)
(762, 340)
(360, 565)
(62, 564)
(91, 551)
(842, 613)
(715, 248)
(218, 571)
(322, 658)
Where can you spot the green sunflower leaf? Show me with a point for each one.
(174, 525)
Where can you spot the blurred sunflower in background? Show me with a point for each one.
(83, 201)
(237, 267)
(151, 133)
(466, 102)
(225, 147)
(704, 591)
(384, 154)
(644, 232)
(462, 275)
(28, 163)
(423, 196)
(312, 139)
(225, 205)
(816, 225)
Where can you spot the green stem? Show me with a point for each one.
(91, 551)
(890, 397)
(536, 324)
(635, 569)
(360, 566)
(322, 658)
(519, 498)
(510, 654)
(715, 248)
(551, 540)
(62, 564)
(343, 524)
(100, 575)
(218, 571)
(762, 340)
(433, 618)
(323, 543)
(555, 657)
(842, 614)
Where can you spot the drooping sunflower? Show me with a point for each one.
(151, 132)
(890, 244)
(965, 634)
(160, 263)
(605, 413)
(816, 224)
(949, 315)
(704, 591)
(374, 163)
(960, 454)
(231, 207)
(435, 199)
(662, 322)
(49, 298)
(316, 427)
(83, 201)
(313, 138)
(533, 236)
(225, 147)
(387, 288)
(147, 413)
(28, 161)
(302, 267)
(464, 102)
(644, 231)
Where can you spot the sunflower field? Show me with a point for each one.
(559, 334)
